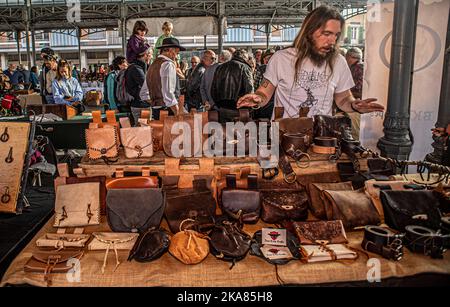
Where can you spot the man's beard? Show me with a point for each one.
(318, 59)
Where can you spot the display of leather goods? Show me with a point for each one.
(49, 262)
(77, 205)
(353, 208)
(137, 142)
(317, 201)
(403, 208)
(384, 242)
(302, 124)
(189, 246)
(188, 173)
(134, 210)
(174, 126)
(313, 232)
(228, 241)
(150, 245)
(102, 143)
(61, 241)
(196, 205)
(327, 252)
(276, 254)
(112, 241)
(373, 189)
(282, 205)
(296, 146)
(425, 241)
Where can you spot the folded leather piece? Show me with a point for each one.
(317, 202)
(403, 208)
(137, 142)
(354, 208)
(48, 262)
(150, 245)
(313, 232)
(102, 143)
(61, 241)
(132, 182)
(189, 246)
(77, 205)
(284, 205)
(134, 210)
(327, 252)
(117, 240)
(293, 245)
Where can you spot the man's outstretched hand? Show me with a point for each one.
(367, 105)
(249, 100)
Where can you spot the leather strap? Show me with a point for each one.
(96, 117)
(111, 117)
(244, 115)
(285, 165)
(146, 114)
(425, 241)
(163, 114)
(384, 242)
(252, 181)
(325, 141)
(323, 150)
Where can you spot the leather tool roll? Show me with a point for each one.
(325, 141)
(384, 242)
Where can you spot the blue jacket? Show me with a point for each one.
(66, 87)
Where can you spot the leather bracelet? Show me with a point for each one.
(325, 141)
(384, 242)
(323, 150)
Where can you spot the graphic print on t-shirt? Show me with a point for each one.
(310, 81)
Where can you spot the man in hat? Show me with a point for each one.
(47, 54)
(162, 77)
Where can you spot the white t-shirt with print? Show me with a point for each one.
(314, 88)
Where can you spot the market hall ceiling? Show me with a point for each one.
(52, 14)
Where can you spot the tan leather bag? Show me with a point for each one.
(189, 246)
(77, 205)
(157, 128)
(102, 143)
(61, 241)
(354, 208)
(132, 182)
(137, 142)
(317, 204)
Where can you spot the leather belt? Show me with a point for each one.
(426, 241)
(384, 242)
(324, 141)
(323, 150)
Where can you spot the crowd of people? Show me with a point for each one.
(311, 73)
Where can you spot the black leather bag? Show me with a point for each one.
(150, 245)
(134, 210)
(292, 243)
(228, 241)
(403, 208)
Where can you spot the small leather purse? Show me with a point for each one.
(317, 202)
(62, 241)
(102, 143)
(280, 205)
(77, 205)
(332, 232)
(150, 245)
(189, 246)
(137, 142)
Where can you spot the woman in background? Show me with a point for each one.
(66, 89)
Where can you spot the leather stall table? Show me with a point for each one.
(252, 271)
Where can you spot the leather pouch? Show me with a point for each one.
(354, 208)
(284, 205)
(245, 204)
(189, 246)
(332, 232)
(61, 241)
(134, 210)
(157, 127)
(150, 245)
(317, 202)
(77, 205)
(137, 142)
(102, 143)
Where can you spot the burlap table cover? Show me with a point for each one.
(252, 271)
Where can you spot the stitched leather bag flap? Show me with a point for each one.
(102, 142)
(137, 142)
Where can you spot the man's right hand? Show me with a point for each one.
(249, 100)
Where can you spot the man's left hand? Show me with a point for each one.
(367, 105)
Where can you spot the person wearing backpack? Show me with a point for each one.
(134, 79)
(118, 64)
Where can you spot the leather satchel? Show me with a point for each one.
(77, 205)
(228, 241)
(317, 202)
(278, 206)
(102, 143)
(404, 208)
(61, 241)
(331, 232)
(137, 142)
(150, 245)
(194, 207)
(245, 204)
(134, 210)
(48, 262)
(189, 246)
(354, 208)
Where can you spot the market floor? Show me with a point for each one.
(17, 230)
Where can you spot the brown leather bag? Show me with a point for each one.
(330, 231)
(48, 262)
(280, 205)
(102, 143)
(137, 142)
(302, 124)
(354, 208)
(317, 203)
(157, 127)
(189, 246)
(132, 182)
(188, 173)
